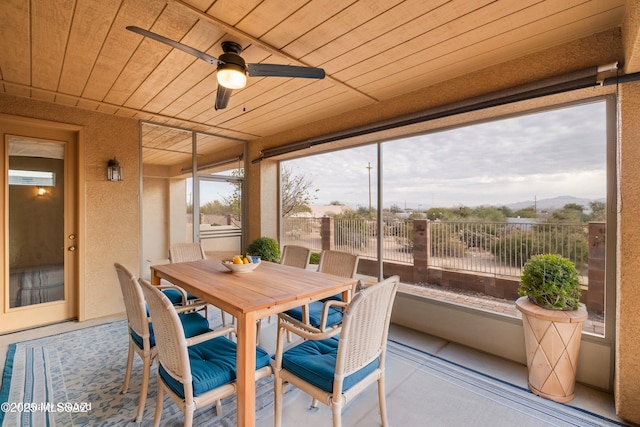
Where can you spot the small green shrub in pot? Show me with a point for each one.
(314, 258)
(551, 281)
(266, 248)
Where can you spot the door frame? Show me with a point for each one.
(198, 179)
(74, 177)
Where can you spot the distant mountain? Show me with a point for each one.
(553, 203)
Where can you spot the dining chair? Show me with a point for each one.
(141, 333)
(191, 251)
(335, 366)
(184, 252)
(295, 256)
(319, 315)
(197, 371)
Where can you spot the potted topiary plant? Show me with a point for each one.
(266, 248)
(552, 317)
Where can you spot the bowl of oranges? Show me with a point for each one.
(242, 264)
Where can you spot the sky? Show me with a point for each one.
(537, 156)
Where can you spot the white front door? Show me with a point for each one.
(40, 228)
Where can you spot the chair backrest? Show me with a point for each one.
(295, 256)
(169, 334)
(134, 302)
(338, 263)
(184, 252)
(365, 327)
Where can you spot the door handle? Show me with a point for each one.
(72, 248)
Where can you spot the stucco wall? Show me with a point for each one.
(109, 211)
(627, 382)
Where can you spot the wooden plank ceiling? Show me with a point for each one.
(78, 52)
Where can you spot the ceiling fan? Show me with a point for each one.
(231, 68)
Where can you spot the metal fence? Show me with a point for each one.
(492, 248)
(503, 248)
(303, 232)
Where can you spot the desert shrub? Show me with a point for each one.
(551, 281)
(266, 248)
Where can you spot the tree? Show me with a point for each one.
(464, 211)
(598, 211)
(442, 214)
(365, 212)
(297, 194)
(570, 213)
(234, 200)
(506, 211)
(214, 208)
(488, 213)
(528, 212)
(394, 209)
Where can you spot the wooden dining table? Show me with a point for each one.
(269, 289)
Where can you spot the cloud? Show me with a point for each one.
(547, 154)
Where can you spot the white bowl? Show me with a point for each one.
(240, 268)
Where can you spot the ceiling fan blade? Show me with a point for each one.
(277, 70)
(222, 97)
(183, 47)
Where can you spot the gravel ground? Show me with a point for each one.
(594, 323)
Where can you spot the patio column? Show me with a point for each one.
(421, 249)
(326, 233)
(597, 244)
(627, 375)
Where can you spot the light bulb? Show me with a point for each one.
(231, 78)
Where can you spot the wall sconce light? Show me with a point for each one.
(114, 171)
(42, 191)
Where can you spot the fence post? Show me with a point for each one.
(596, 263)
(326, 233)
(421, 249)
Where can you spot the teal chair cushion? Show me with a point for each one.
(315, 362)
(213, 363)
(176, 297)
(315, 314)
(192, 323)
(336, 297)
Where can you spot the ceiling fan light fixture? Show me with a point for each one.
(232, 76)
(232, 70)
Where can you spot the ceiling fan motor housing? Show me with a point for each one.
(231, 59)
(231, 55)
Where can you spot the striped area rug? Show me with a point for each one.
(74, 379)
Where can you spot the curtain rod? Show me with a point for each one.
(567, 82)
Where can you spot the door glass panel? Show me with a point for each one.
(220, 216)
(171, 199)
(36, 222)
(166, 214)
